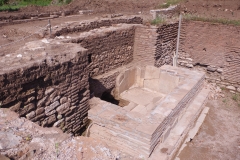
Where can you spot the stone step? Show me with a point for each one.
(170, 146)
(130, 106)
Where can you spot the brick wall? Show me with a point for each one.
(166, 44)
(145, 44)
(108, 48)
(52, 89)
(48, 81)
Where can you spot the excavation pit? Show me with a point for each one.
(159, 100)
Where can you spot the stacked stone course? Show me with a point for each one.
(48, 81)
(166, 44)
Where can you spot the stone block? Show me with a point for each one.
(16, 107)
(231, 88)
(30, 115)
(152, 84)
(58, 123)
(40, 111)
(63, 108)
(51, 107)
(168, 82)
(41, 102)
(152, 72)
(51, 119)
(63, 100)
(49, 90)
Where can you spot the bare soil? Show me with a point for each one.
(219, 135)
(222, 9)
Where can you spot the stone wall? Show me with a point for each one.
(47, 81)
(108, 48)
(88, 25)
(166, 44)
(145, 44)
(49, 88)
(213, 48)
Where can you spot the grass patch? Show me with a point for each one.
(224, 100)
(157, 21)
(235, 97)
(14, 6)
(212, 20)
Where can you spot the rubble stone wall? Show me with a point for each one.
(108, 48)
(48, 81)
(93, 24)
(213, 48)
(145, 44)
(166, 44)
(50, 94)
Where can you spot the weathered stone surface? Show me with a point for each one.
(231, 88)
(51, 107)
(49, 91)
(50, 113)
(16, 107)
(219, 70)
(56, 98)
(51, 119)
(63, 108)
(189, 65)
(40, 111)
(30, 115)
(238, 89)
(59, 116)
(58, 123)
(37, 118)
(41, 102)
(63, 100)
(211, 68)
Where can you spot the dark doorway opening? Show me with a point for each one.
(107, 96)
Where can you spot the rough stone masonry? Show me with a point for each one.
(47, 81)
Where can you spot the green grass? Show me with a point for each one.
(169, 3)
(235, 97)
(14, 6)
(22, 3)
(224, 100)
(212, 20)
(157, 21)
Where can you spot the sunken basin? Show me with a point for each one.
(158, 99)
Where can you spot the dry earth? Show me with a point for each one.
(219, 135)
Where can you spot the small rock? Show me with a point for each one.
(190, 59)
(49, 91)
(57, 124)
(30, 115)
(232, 91)
(231, 88)
(189, 65)
(63, 100)
(219, 70)
(222, 77)
(238, 89)
(211, 68)
(59, 116)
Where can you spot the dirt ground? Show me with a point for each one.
(219, 135)
(21, 139)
